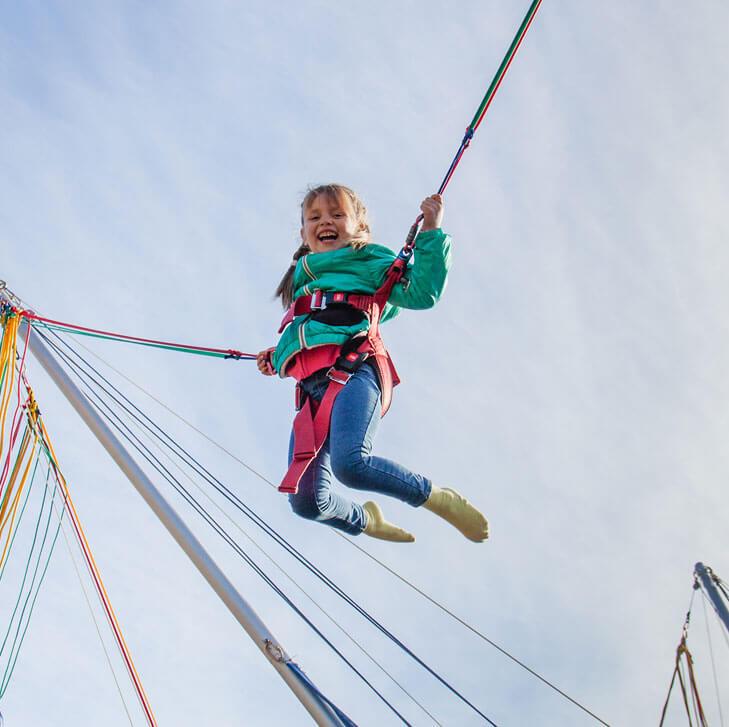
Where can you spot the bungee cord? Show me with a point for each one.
(33, 591)
(478, 117)
(14, 533)
(50, 324)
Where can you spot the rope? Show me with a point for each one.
(478, 117)
(51, 324)
(29, 604)
(96, 575)
(94, 621)
(20, 518)
(684, 662)
(713, 662)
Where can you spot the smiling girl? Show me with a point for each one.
(336, 292)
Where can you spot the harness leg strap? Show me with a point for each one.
(310, 432)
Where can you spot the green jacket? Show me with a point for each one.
(363, 271)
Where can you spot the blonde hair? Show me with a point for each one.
(336, 193)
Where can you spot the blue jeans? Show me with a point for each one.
(346, 454)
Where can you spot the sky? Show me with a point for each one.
(571, 382)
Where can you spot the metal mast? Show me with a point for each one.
(708, 582)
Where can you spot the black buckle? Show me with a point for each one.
(351, 361)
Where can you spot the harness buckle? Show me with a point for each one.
(351, 361)
(338, 376)
(318, 300)
(347, 366)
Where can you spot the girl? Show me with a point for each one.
(330, 343)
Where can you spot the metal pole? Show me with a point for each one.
(706, 576)
(237, 605)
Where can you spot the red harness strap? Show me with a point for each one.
(311, 428)
(311, 424)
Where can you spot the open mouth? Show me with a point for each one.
(327, 237)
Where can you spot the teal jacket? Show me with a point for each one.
(363, 271)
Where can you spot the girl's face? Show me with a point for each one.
(329, 224)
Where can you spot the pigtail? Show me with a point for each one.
(285, 289)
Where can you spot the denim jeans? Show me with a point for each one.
(346, 455)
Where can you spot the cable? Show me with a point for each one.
(281, 570)
(711, 653)
(162, 470)
(50, 324)
(20, 519)
(31, 597)
(231, 497)
(95, 622)
(96, 576)
(334, 532)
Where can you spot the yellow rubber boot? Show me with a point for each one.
(378, 527)
(459, 512)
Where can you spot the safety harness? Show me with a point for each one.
(311, 424)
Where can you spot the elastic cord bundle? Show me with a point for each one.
(478, 117)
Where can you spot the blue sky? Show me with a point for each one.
(572, 382)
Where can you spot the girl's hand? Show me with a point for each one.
(432, 209)
(263, 361)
